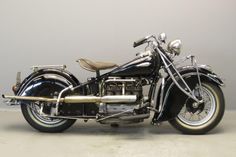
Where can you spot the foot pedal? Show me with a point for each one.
(156, 123)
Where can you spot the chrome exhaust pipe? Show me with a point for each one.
(104, 99)
(31, 98)
(79, 99)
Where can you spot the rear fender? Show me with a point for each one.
(174, 98)
(47, 74)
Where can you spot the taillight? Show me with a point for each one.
(14, 88)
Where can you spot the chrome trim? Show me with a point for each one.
(162, 94)
(147, 58)
(144, 54)
(41, 109)
(216, 78)
(123, 88)
(162, 37)
(194, 63)
(54, 76)
(145, 64)
(38, 67)
(70, 117)
(118, 79)
(114, 115)
(203, 66)
(207, 67)
(59, 97)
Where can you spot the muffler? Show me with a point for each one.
(103, 99)
(79, 99)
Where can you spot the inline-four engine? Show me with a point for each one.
(121, 86)
(126, 86)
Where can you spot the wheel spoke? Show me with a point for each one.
(203, 114)
(35, 110)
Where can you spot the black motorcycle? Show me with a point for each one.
(189, 97)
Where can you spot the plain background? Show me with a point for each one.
(60, 31)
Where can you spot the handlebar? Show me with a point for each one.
(144, 40)
(140, 41)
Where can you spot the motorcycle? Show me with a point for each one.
(189, 97)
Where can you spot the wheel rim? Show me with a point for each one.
(202, 116)
(34, 111)
(34, 108)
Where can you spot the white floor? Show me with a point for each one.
(17, 138)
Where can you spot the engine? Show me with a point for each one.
(127, 86)
(121, 86)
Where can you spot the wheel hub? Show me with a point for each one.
(196, 114)
(193, 106)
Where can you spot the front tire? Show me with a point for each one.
(211, 113)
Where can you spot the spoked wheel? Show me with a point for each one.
(200, 118)
(31, 112)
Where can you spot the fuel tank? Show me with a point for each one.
(139, 67)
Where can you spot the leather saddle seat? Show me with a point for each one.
(95, 66)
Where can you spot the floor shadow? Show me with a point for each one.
(128, 132)
(98, 129)
(134, 131)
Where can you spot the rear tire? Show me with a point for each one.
(43, 126)
(30, 110)
(211, 120)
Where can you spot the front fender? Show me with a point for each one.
(173, 99)
(204, 71)
(47, 74)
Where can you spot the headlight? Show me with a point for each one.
(174, 47)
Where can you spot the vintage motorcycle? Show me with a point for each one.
(189, 97)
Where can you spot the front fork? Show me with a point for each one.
(186, 89)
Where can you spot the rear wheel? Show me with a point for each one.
(31, 111)
(201, 118)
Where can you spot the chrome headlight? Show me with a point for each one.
(174, 47)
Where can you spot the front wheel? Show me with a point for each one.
(199, 119)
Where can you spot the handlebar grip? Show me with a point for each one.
(140, 42)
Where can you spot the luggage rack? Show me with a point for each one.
(38, 67)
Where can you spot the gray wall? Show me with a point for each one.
(58, 32)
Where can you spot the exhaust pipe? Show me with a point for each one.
(31, 98)
(79, 99)
(103, 99)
